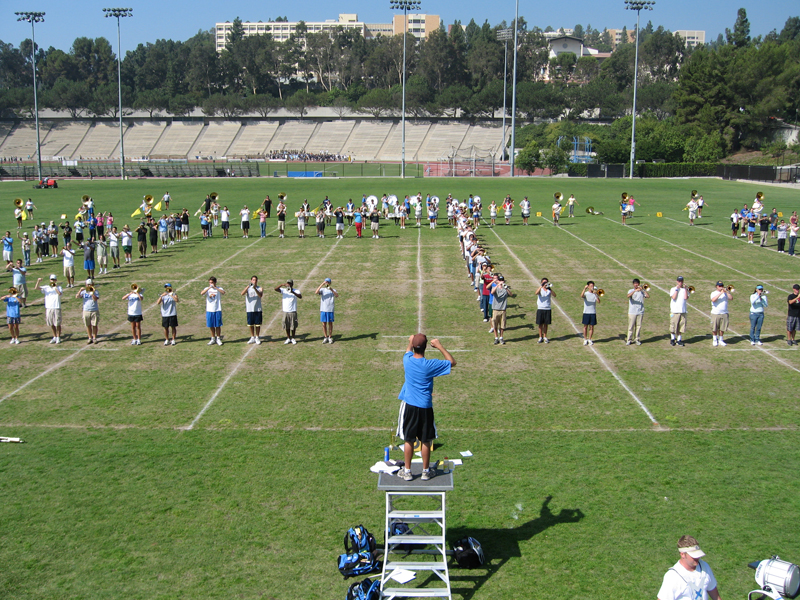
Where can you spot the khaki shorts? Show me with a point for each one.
(23, 290)
(719, 323)
(69, 271)
(91, 319)
(498, 320)
(52, 317)
(290, 321)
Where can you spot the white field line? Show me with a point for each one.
(64, 361)
(767, 351)
(403, 351)
(240, 362)
(599, 356)
(754, 278)
(419, 280)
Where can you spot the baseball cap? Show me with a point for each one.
(796, 287)
(720, 284)
(290, 282)
(419, 340)
(89, 281)
(53, 277)
(501, 278)
(680, 277)
(759, 287)
(167, 285)
(327, 280)
(693, 551)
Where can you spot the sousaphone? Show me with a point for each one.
(18, 202)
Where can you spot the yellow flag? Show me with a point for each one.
(658, 214)
(138, 211)
(24, 216)
(158, 206)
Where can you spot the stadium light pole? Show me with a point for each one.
(119, 13)
(514, 91)
(504, 35)
(33, 18)
(405, 6)
(638, 6)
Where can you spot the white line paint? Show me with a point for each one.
(64, 361)
(599, 356)
(767, 351)
(240, 362)
(716, 262)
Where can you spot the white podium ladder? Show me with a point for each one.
(428, 528)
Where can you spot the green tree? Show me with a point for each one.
(377, 102)
(263, 104)
(529, 158)
(299, 103)
(454, 98)
(235, 34)
(151, 101)
(740, 36)
(72, 96)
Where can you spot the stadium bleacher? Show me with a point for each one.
(215, 139)
(100, 142)
(253, 138)
(64, 138)
(415, 135)
(442, 137)
(141, 137)
(367, 139)
(177, 139)
(331, 137)
(292, 135)
(21, 140)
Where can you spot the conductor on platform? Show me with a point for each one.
(416, 421)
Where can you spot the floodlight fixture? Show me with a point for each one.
(33, 17)
(638, 6)
(405, 6)
(119, 13)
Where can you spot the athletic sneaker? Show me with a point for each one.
(628, 343)
(288, 341)
(715, 342)
(258, 340)
(166, 342)
(680, 343)
(330, 340)
(638, 343)
(172, 343)
(486, 320)
(405, 474)
(591, 343)
(219, 341)
(428, 474)
(585, 342)
(502, 342)
(721, 343)
(546, 341)
(758, 343)
(133, 342)
(672, 342)
(252, 340)
(752, 343)
(53, 341)
(324, 340)
(496, 341)
(294, 341)
(540, 340)
(212, 342)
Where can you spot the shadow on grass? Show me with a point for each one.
(501, 545)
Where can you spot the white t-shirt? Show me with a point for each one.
(134, 305)
(678, 305)
(543, 300)
(720, 305)
(289, 300)
(69, 257)
(525, 206)
(252, 300)
(556, 208)
(127, 236)
(680, 584)
(113, 240)
(214, 299)
(225, 215)
(636, 302)
(52, 297)
(169, 308)
(589, 303)
(245, 214)
(326, 299)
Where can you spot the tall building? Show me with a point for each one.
(418, 24)
(616, 36)
(692, 37)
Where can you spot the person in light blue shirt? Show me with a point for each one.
(163, 231)
(416, 419)
(8, 248)
(758, 302)
(12, 314)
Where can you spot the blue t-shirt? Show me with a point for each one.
(162, 225)
(8, 244)
(12, 310)
(357, 217)
(418, 387)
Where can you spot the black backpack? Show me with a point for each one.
(468, 553)
(358, 539)
(400, 528)
(358, 563)
(365, 590)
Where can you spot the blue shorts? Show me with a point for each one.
(88, 265)
(326, 317)
(214, 319)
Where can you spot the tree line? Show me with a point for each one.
(726, 91)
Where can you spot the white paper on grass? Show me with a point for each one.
(466, 454)
(402, 575)
(457, 461)
(382, 467)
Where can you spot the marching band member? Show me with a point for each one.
(476, 213)
(134, 298)
(321, 218)
(493, 212)
(556, 208)
(758, 302)
(339, 216)
(348, 211)
(544, 310)
(678, 299)
(735, 216)
(301, 219)
(327, 297)
(719, 313)
(636, 298)
(692, 208)
(590, 301)
(525, 207)
(281, 210)
(571, 202)
(213, 296)
(91, 309)
(500, 295)
(255, 314)
(508, 208)
(12, 314)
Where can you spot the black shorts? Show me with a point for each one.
(169, 321)
(254, 318)
(135, 318)
(543, 317)
(226, 224)
(415, 423)
(589, 319)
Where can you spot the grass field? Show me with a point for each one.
(233, 471)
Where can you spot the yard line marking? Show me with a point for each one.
(64, 361)
(239, 364)
(419, 279)
(708, 316)
(696, 254)
(599, 356)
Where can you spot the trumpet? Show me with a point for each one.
(135, 288)
(213, 195)
(730, 288)
(548, 286)
(691, 289)
(18, 202)
(601, 292)
(646, 287)
(89, 288)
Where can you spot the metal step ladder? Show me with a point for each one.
(427, 537)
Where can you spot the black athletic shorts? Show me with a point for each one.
(169, 321)
(543, 317)
(415, 423)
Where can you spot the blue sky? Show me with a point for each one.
(181, 19)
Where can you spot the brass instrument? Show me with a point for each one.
(730, 288)
(213, 195)
(148, 199)
(548, 286)
(18, 202)
(85, 199)
(624, 195)
(282, 196)
(760, 195)
(590, 210)
(646, 287)
(691, 289)
(90, 289)
(134, 288)
(694, 193)
(558, 196)
(12, 291)
(601, 292)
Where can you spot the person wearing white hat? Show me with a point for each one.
(690, 578)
